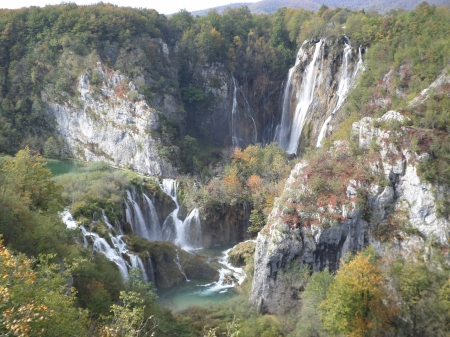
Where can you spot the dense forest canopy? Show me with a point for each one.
(44, 51)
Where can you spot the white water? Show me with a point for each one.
(106, 220)
(135, 217)
(68, 219)
(229, 276)
(115, 253)
(289, 133)
(346, 80)
(192, 230)
(154, 230)
(177, 261)
(136, 262)
(170, 187)
(100, 245)
(188, 233)
(238, 140)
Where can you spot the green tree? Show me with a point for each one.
(309, 322)
(355, 302)
(26, 173)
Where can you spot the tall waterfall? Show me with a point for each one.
(243, 125)
(186, 234)
(291, 127)
(345, 81)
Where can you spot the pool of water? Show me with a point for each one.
(59, 167)
(201, 292)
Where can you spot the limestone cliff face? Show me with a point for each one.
(395, 212)
(236, 106)
(113, 123)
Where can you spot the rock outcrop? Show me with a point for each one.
(385, 204)
(113, 123)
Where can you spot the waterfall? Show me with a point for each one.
(100, 245)
(136, 262)
(360, 65)
(177, 261)
(115, 254)
(150, 270)
(229, 276)
(68, 219)
(154, 227)
(291, 128)
(135, 217)
(238, 140)
(106, 220)
(234, 118)
(192, 230)
(345, 81)
(188, 233)
(172, 226)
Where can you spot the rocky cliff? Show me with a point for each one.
(376, 198)
(109, 120)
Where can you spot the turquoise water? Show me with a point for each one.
(62, 167)
(192, 293)
(197, 292)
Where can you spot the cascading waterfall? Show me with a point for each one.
(68, 219)
(291, 128)
(229, 276)
(136, 262)
(106, 220)
(238, 140)
(172, 225)
(346, 80)
(144, 220)
(155, 231)
(188, 233)
(115, 253)
(135, 216)
(100, 245)
(150, 270)
(192, 230)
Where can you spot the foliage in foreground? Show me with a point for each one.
(37, 297)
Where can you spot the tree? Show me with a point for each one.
(354, 305)
(26, 173)
(128, 319)
(309, 323)
(37, 302)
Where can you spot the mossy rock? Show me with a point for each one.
(164, 257)
(242, 254)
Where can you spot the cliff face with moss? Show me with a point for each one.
(370, 190)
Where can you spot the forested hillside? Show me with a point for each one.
(271, 6)
(349, 218)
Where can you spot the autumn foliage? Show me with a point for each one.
(357, 303)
